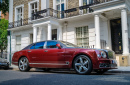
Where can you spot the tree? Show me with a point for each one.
(4, 6)
(3, 35)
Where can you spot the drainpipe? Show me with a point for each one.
(10, 49)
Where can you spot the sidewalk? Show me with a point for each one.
(120, 70)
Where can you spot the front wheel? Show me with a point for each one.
(24, 64)
(82, 64)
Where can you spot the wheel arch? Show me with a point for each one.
(22, 57)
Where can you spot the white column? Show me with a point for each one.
(124, 31)
(34, 34)
(60, 33)
(10, 11)
(80, 2)
(49, 37)
(97, 31)
(46, 4)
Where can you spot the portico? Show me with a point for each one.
(47, 27)
(100, 14)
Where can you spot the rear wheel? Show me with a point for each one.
(24, 64)
(82, 64)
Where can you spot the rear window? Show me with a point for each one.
(27, 47)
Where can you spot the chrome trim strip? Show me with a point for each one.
(49, 63)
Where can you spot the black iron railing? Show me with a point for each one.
(61, 14)
(19, 23)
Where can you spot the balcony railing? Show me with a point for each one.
(62, 14)
(57, 14)
(19, 23)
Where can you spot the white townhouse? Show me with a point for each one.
(101, 24)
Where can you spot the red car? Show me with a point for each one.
(61, 54)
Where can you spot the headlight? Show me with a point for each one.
(99, 55)
(103, 54)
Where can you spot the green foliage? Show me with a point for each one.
(3, 34)
(4, 6)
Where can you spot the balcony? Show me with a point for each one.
(57, 14)
(19, 23)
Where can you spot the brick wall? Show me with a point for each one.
(51, 4)
(5, 16)
(73, 3)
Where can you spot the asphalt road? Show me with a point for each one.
(38, 77)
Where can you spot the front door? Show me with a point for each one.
(54, 57)
(116, 36)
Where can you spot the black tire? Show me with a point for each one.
(23, 64)
(6, 67)
(82, 66)
(101, 71)
(46, 69)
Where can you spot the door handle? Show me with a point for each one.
(29, 51)
(46, 51)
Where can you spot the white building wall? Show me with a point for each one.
(71, 35)
(25, 38)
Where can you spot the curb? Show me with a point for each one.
(118, 71)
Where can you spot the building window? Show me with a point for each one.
(31, 38)
(54, 34)
(60, 7)
(82, 36)
(34, 8)
(18, 43)
(19, 16)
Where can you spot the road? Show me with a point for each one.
(39, 77)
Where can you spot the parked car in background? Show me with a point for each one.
(4, 63)
(61, 54)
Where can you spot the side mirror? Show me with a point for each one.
(58, 45)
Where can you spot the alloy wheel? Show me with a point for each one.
(23, 64)
(83, 64)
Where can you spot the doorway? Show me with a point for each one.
(54, 34)
(116, 36)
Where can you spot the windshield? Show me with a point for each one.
(69, 45)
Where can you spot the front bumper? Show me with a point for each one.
(111, 64)
(4, 64)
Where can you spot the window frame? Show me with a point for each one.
(81, 36)
(16, 42)
(29, 8)
(16, 11)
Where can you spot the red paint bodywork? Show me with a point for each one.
(58, 58)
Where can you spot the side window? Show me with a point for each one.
(39, 45)
(51, 44)
(33, 47)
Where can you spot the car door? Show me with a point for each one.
(36, 53)
(54, 57)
